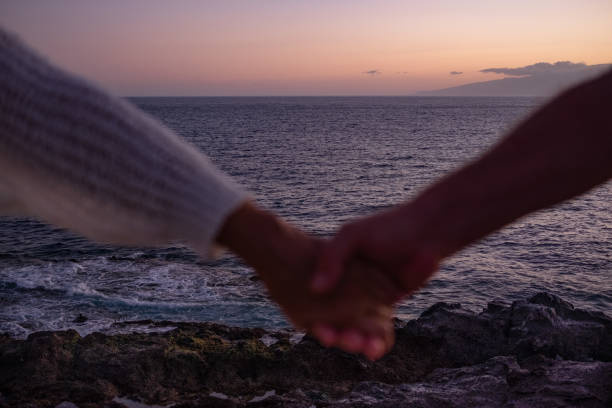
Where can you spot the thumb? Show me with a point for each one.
(332, 259)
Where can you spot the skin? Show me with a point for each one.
(561, 151)
(285, 258)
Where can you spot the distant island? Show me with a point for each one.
(541, 79)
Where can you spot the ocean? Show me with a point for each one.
(317, 162)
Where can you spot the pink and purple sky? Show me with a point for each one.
(314, 47)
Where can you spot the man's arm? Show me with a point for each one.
(562, 150)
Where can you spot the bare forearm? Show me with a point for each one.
(264, 241)
(561, 151)
(248, 231)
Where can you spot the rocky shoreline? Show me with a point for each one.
(536, 352)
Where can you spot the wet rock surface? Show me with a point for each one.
(537, 352)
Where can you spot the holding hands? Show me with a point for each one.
(393, 241)
(285, 258)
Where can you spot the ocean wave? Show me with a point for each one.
(139, 284)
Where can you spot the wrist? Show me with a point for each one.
(263, 240)
(462, 208)
(250, 229)
(444, 216)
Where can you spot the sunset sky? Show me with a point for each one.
(290, 47)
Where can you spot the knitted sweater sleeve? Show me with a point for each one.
(75, 156)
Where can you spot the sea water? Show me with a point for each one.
(317, 162)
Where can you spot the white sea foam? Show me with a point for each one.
(51, 295)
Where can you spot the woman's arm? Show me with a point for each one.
(75, 156)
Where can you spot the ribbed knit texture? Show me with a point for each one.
(75, 156)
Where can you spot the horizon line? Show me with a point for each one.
(329, 96)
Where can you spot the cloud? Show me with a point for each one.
(456, 72)
(539, 68)
(372, 72)
(541, 79)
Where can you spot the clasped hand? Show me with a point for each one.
(349, 302)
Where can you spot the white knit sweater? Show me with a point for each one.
(75, 156)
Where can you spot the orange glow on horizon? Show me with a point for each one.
(270, 47)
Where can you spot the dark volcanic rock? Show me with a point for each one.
(539, 352)
(498, 382)
(543, 324)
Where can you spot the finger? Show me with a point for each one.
(380, 339)
(381, 286)
(374, 347)
(331, 262)
(351, 340)
(388, 337)
(327, 335)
